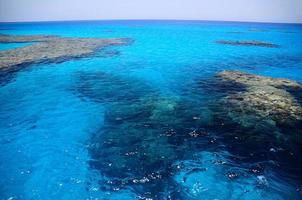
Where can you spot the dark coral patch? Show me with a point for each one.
(248, 43)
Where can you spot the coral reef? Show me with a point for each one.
(257, 112)
(248, 43)
(131, 140)
(51, 48)
(259, 118)
(264, 98)
(143, 132)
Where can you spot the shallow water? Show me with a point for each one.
(136, 121)
(7, 46)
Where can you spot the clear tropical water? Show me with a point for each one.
(7, 46)
(131, 122)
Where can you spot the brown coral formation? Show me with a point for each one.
(263, 99)
(255, 80)
(50, 48)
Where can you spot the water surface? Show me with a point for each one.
(133, 122)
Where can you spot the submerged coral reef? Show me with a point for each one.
(144, 133)
(50, 48)
(130, 141)
(248, 43)
(260, 118)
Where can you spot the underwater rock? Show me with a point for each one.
(248, 43)
(51, 48)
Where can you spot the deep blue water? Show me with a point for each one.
(121, 124)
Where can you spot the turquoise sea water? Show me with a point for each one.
(124, 123)
(7, 46)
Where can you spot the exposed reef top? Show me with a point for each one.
(255, 80)
(264, 98)
(248, 43)
(26, 38)
(51, 48)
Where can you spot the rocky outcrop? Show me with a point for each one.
(50, 48)
(248, 43)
